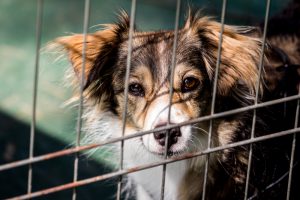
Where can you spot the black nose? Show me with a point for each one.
(160, 136)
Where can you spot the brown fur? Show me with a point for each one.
(94, 42)
(231, 62)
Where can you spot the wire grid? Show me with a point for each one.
(78, 148)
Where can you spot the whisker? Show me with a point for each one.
(201, 129)
(197, 142)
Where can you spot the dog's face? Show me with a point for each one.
(149, 87)
(149, 77)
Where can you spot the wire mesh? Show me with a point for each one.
(155, 164)
(73, 150)
(79, 148)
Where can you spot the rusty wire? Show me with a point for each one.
(154, 164)
(141, 133)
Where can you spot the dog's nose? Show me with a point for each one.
(160, 136)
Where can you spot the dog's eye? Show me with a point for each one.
(189, 84)
(136, 89)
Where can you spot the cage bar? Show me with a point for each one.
(212, 111)
(177, 16)
(293, 148)
(82, 80)
(124, 114)
(261, 63)
(39, 18)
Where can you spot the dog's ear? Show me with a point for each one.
(93, 47)
(239, 54)
(100, 52)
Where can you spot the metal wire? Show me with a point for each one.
(39, 18)
(178, 6)
(212, 111)
(124, 115)
(80, 109)
(75, 150)
(155, 164)
(141, 133)
(273, 183)
(261, 62)
(293, 148)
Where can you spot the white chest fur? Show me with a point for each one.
(148, 182)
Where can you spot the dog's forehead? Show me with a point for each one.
(155, 49)
(163, 41)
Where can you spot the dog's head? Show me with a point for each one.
(149, 79)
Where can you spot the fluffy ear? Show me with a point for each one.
(95, 44)
(239, 55)
(100, 51)
(100, 57)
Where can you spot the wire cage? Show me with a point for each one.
(121, 172)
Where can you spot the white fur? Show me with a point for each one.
(102, 126)
(158, 115)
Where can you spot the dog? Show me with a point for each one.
(194, 73)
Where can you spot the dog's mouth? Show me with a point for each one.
(170, 153)
(172, 150)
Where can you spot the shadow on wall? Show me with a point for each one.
(14, 140)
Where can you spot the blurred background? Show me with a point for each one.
(56, 123)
